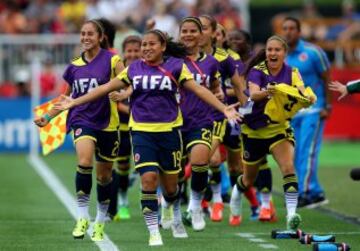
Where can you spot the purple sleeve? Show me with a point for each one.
(68, 75)
(240, 66)
(230, 66)
(214, 70)
(256, 77)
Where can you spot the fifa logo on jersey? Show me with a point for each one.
(84, 85)
(153, 82)
(201, 79)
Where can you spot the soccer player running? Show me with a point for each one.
(94, 125)
(241, 42)
(313, 65)
(119, 195)
(197, 127)
(260, 136)
(222, 129)
(155, 118)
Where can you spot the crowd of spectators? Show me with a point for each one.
(129, 16)
(133, 17)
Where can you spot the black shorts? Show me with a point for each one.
(196, 136)
(232, 138)
(256, 149)
(125, 148)
(106, 142)
(157, 150)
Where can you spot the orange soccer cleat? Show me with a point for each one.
(235, 220)
(217, 211)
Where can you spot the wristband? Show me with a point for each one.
(47, 117)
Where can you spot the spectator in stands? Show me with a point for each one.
(308, 125)
(73, 14)
(12, 20)
(48, 79)
(41, 16)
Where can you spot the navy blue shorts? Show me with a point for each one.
(255, 149)
(197, 136)
(125, 148)
(232, 138)
(157, 151)
(106, 142)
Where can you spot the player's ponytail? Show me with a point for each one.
(172, 48)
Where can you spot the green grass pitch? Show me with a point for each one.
(32, 218)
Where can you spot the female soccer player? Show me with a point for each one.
(240, 41)
(261, 135)
(120, 184)
(222, 130)
(197, 126)
(94, 125)
(155, 118)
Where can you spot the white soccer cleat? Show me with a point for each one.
(167, 216)
(178, 230)
(155, 239)
(197, 220)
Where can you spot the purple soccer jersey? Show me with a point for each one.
(153, 100)
(83, 77)
(197, 113)
(260, 76)
(227, 68)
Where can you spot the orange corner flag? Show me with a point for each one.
(52, 136)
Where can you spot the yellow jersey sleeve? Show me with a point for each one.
(296, 79)
(185, 75)
(123, 76)
(114, 61)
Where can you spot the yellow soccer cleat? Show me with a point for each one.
(98, 232)
(80, 228)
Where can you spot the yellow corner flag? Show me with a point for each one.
(52, 135)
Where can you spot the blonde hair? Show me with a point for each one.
(280, 39)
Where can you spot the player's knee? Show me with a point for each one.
(149, 181)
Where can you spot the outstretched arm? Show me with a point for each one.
(67, 102)
(207, 96)
(45, 118)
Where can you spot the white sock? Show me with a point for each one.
(195, 200)
(265, 200)
(216, 189)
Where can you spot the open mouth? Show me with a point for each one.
(274, 60)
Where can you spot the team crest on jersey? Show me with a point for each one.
(303, 57)
(246, 154)
(78, 131)
(136, 157)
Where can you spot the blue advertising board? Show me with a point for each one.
(15, 126)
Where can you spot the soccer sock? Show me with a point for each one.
(250, 194)
(124, 185)
(195, 200)
(150, 208)
(199, 177)
(103, 196)
(215, 183)
(123, 179)
(177, 211)
(112, 210)
(265, 200)
(83, 184)
(233, 178)
(240, 185)
(291, 193)
(235, 202)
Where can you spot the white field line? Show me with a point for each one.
(253, 234)
(261, 242)
(55, 185)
